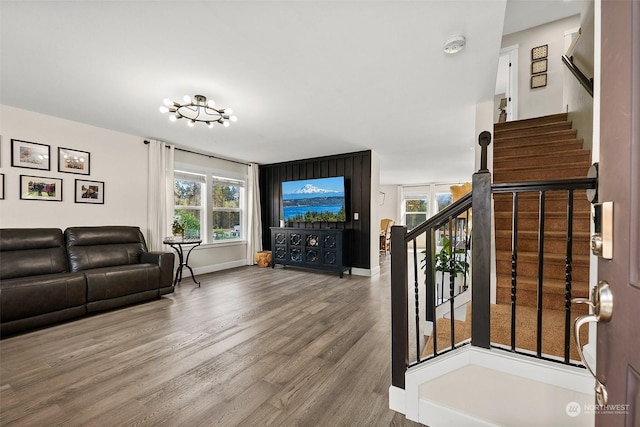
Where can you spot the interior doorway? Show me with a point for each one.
(506, 91)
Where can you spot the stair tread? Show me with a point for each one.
(550, 118)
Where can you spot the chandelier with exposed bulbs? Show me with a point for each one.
(198, 109)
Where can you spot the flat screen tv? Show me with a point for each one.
(314, 200)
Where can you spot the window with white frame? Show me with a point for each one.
(188, 190)
(420, 203)
(416, 210)
(227, 201)
(210, 205)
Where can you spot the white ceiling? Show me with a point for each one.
(305, 78)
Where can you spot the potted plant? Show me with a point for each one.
(449, 264)
(178, 226)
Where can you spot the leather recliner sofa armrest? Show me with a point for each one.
(165, 260)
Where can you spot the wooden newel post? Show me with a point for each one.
(484, 139)
(399, 306)
(481, 250)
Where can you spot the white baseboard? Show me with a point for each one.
(217, 267)
(367, 272)
(396, 399)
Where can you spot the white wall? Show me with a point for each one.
(546, 100)
(388, 204)
(125, 189)
(374, 225)
(576, 99)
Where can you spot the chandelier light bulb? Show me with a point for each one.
(197, 109)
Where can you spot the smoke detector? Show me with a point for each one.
(454, 44)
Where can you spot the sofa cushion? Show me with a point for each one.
(32, 296)
(113, 282)
(31, 252)
(96, 247)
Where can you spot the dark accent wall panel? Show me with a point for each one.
(356, 169)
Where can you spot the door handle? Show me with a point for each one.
(601, 303)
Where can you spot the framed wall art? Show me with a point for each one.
(73, 161)
(1, 186)
(539, 66)
(539, 52)
(30, 155)
(40, 188)
(539, 80)
(89, 192)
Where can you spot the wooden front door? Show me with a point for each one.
(618, 348)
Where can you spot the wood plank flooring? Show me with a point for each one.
(251, 347)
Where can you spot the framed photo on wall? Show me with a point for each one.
(40, 188)
(30, 155)
(89, 192)
(1, 186)
(73, 161)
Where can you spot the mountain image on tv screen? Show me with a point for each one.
(314, 200)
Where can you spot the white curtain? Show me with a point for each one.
(160, 203)
(254, 223)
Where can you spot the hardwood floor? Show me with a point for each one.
(252, 346)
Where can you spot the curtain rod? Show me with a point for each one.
(211, 156)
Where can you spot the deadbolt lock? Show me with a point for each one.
(602, 238)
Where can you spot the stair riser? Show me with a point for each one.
(534, 130)
(550, 224)
(529, 140)
(541, 174)
(550, 286)
(580, 246)
(530, 299)
(579, 273)
(544, 161)
(501, 151)
(580, 205)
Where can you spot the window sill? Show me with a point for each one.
(221, 243)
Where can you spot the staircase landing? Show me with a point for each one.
(473, 386)
(492, 398)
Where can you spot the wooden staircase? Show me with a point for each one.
(544, 148)
(534, 150)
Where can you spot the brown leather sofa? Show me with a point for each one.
(47, 276)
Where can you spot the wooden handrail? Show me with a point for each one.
(586, 82)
